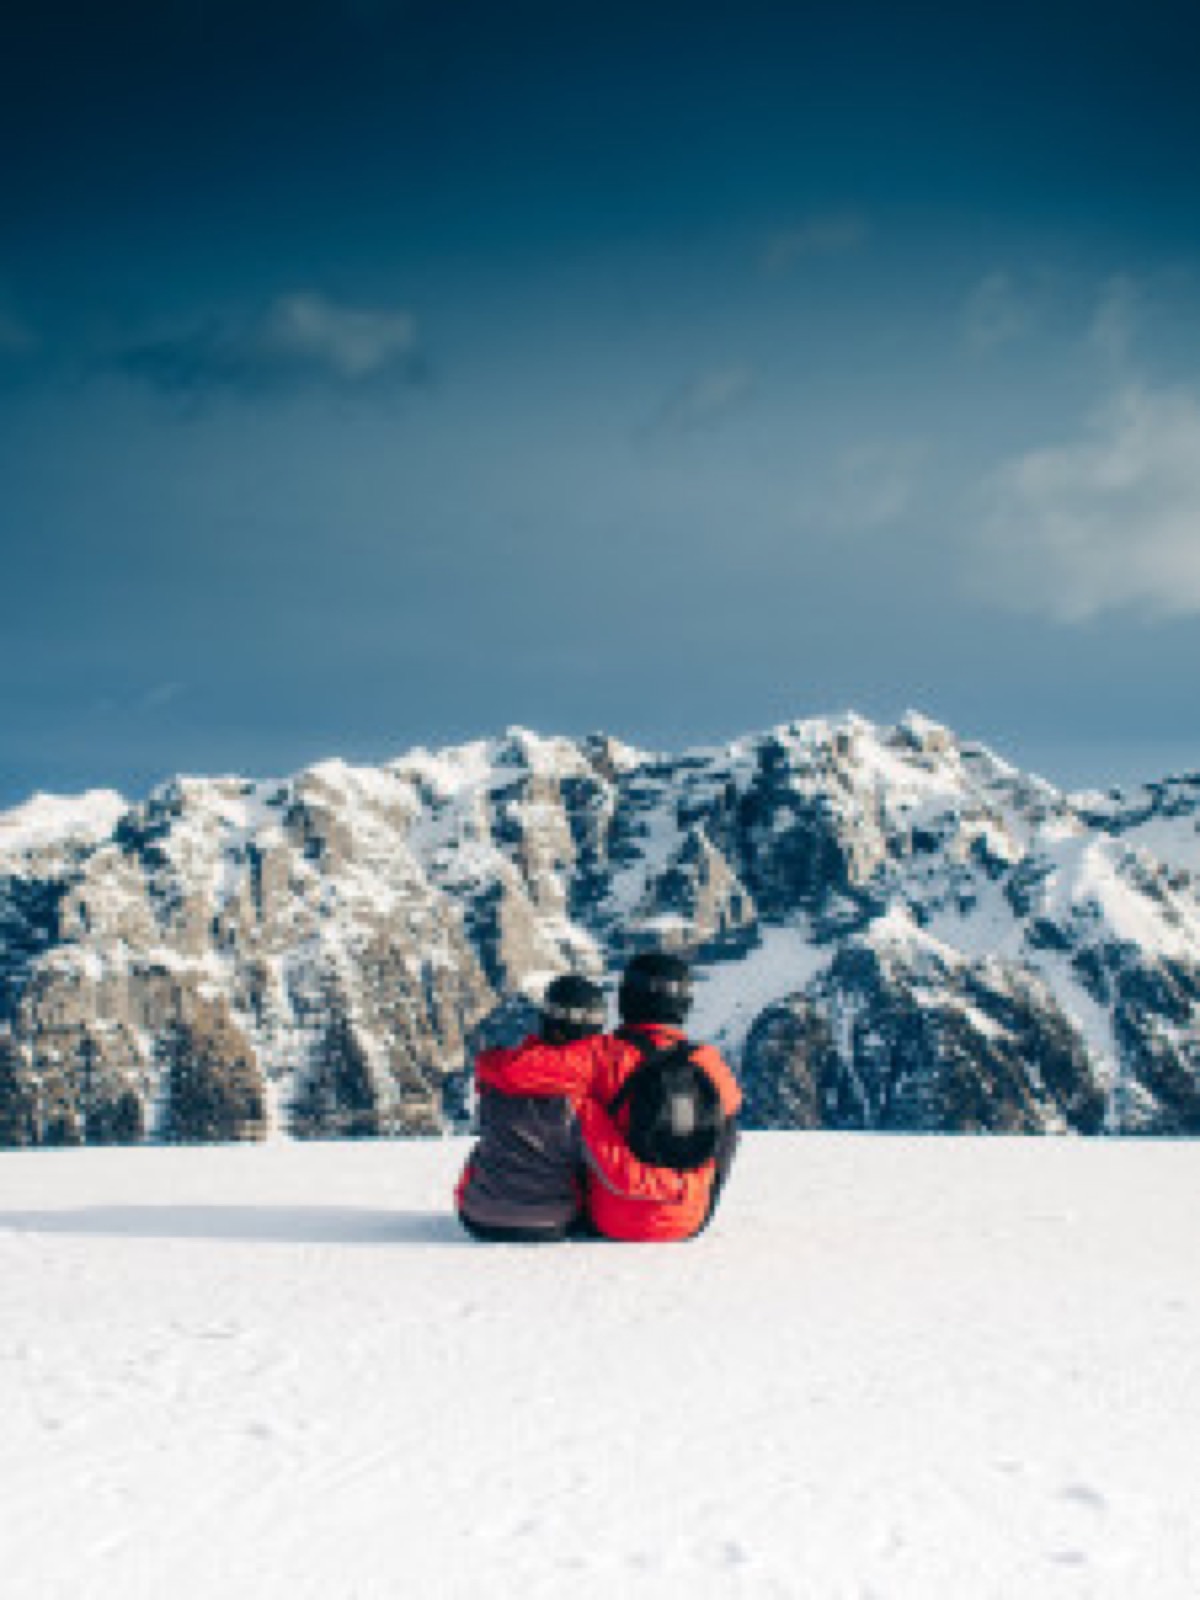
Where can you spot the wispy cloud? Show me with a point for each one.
(1115, 321)
(298, 341)
(871, 485)
(1108, 521)
(143, 702)
(995, 313)
(160, 695)
(704, 400)
(817, 236)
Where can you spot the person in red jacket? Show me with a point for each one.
(524, 1180)
(627, 1198)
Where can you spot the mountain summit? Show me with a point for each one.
(893, 929)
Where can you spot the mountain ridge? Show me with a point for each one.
(892, 928)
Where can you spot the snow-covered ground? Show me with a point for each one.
(894, 1368)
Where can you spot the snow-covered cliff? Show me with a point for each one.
(892, 929)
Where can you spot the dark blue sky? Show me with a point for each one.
(388, 372)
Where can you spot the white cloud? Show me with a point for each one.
(704, 399)
(352, 343)
(818, 236)
(995, 313)
(1109, 521)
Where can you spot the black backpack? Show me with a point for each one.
(675, 1115)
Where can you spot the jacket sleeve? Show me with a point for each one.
(536, 1068)
(611, 1162)
(722, 1077)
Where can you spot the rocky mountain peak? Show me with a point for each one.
(891, 927)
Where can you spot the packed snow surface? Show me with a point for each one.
(893, 1368)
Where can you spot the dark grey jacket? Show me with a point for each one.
(526, 1170)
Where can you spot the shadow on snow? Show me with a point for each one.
(251, 1224)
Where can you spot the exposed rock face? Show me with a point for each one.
(18, 1097)
(892, 929)
(214, 1087)
(896, 1036)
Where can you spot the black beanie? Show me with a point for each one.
(572, 1007)
(655, 987)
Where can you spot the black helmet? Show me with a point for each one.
(572, 1008)
(655, 987)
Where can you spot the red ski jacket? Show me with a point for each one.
(626, 1198)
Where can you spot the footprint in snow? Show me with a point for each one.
(1068, 1558)
(1082, 1494)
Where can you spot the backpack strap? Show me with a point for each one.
(650, 1054)
(647, 1048)
(633, 1035)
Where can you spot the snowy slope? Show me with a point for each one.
(52, 820)
(901, 1368)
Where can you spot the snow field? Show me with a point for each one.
(894, 1368)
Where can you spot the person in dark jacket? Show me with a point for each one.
(523, 1182)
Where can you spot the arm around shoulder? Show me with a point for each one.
(535, 1067)
(614, 1164)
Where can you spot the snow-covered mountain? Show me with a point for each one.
(893, 929)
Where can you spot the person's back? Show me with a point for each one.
(523, 1180)
(628, 1198)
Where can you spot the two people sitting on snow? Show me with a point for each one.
(629, 1135)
